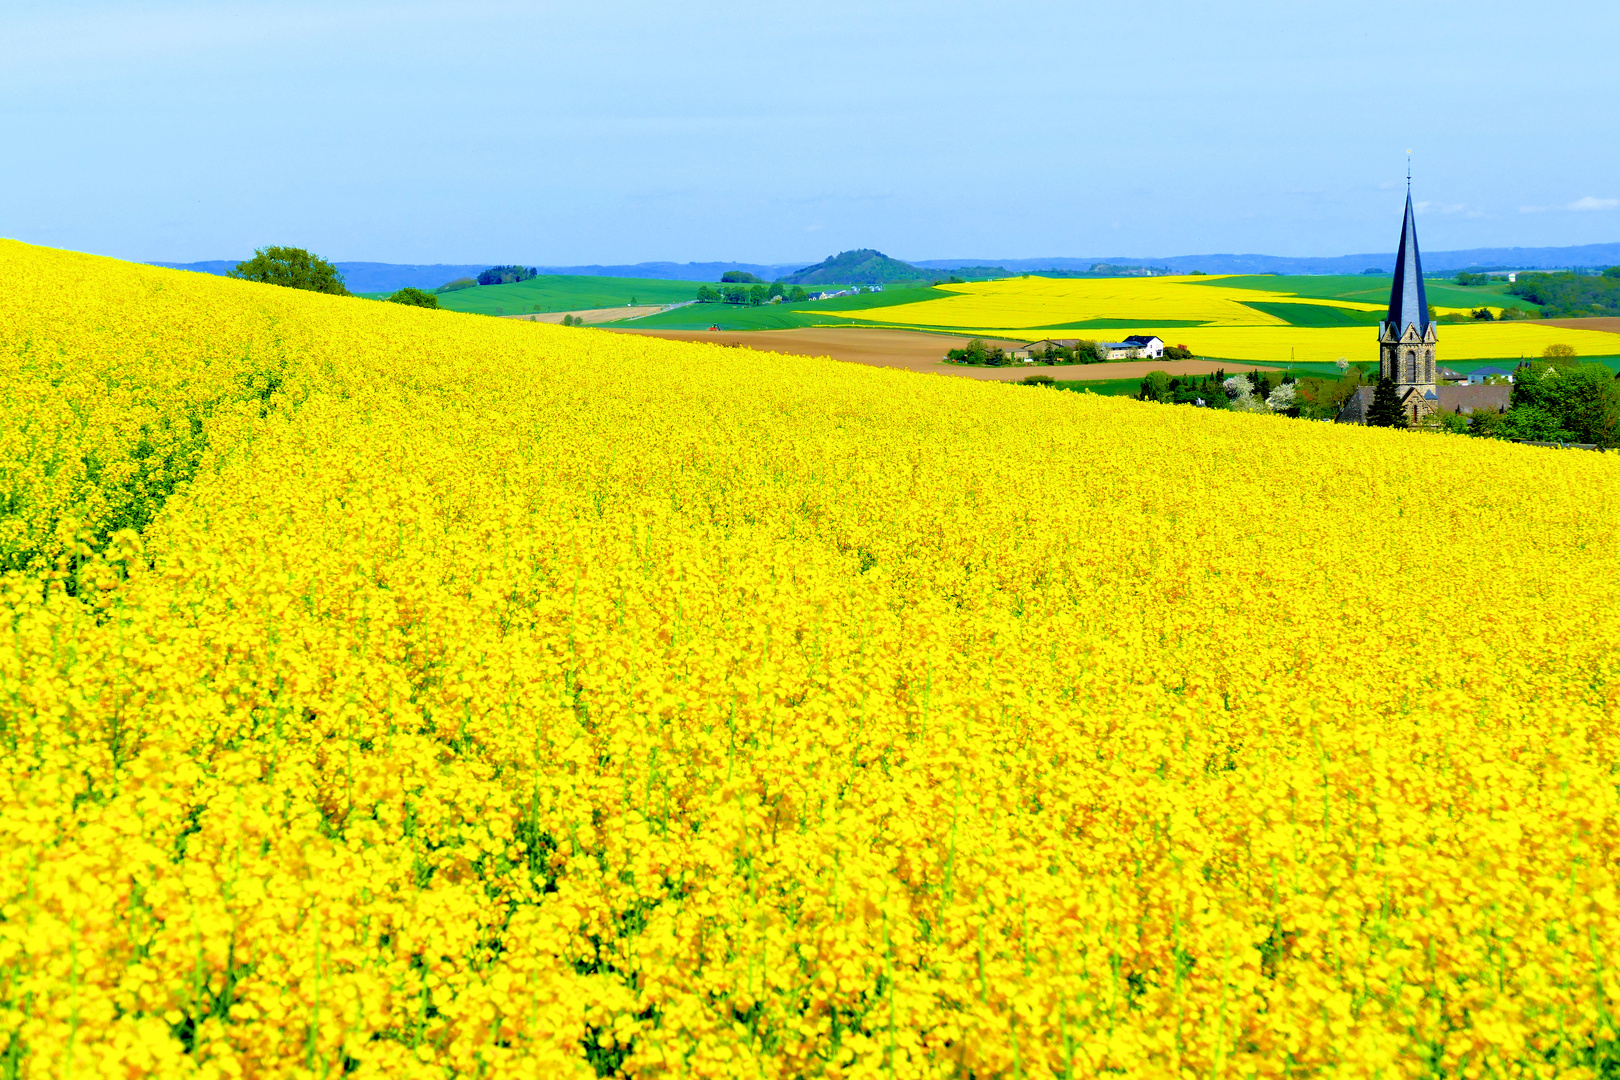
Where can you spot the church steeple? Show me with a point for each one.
(1406, 339)
(1408, 303)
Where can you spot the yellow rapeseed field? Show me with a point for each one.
(1034, 302)
(449, 696)
(1027, 307)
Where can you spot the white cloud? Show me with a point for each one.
(1586, 202)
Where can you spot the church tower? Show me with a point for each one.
(1406, 337)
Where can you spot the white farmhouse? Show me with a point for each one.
(1135, 347)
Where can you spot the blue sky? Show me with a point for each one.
(780, 132)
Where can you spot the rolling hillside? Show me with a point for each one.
(861, 267)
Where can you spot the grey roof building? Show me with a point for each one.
(1472, 399)
(1458, 399)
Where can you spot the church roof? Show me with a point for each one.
(1408, 303)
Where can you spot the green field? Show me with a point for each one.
(558, 292)
(1105, 387)
(562, 293)
(555, 292)
(776, 316)
(1374, 289)
(1315, 314)
(724, 316)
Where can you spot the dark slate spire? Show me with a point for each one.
(1408, 303)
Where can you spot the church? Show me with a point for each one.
(1406, 343)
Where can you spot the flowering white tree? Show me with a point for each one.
(1282, 399)
(1242, 395)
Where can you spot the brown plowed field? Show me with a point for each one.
(1611, 326)
(915, 351)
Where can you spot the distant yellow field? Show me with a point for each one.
(1024, 303)
(1024, 307)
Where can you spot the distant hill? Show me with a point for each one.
(1444, 261)
(386, 277)
(860, 267)
(868, 267)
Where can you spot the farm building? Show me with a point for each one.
(1135, 347)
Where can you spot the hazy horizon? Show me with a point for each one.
(419, 133)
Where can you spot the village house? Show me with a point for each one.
(1135, 347)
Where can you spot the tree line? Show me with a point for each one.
(1570, 295)
(979, 354)
(295, 268)
(506, 275)
(756, 294)
(1554, 399)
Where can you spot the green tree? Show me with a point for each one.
(777, 290)
(414, 298)
(1533, 424)
(1155, 386)
(1581, 402)
(758, 295)
(293, 268)
(1386, 408)
(706, 295)
(1454, 422)
(1087, 352)
(798, 295)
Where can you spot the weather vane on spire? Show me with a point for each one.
(1409, 172)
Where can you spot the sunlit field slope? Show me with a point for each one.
(1238, 322)
(559, 292)
(475, 698)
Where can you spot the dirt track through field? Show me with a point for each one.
(915, 351)
(591, 315)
